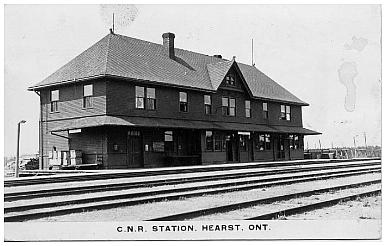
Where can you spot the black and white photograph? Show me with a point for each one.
(192, 122)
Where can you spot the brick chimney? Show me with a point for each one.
(169, 44)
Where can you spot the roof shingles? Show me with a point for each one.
(128, 57)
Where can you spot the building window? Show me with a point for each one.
(54, 100)
(218, 141)
(285, 112)
(139, 97)
(243, 142)
(87, 96)
(208, 104)
(168, 136)
(247, 108)
(294, 141)
(150, 99)
(230, 80)
(140, 94)
(209, 140)
(265, 110)
(228, 106)
(183, 102)
(263, 142)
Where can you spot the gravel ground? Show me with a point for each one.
(361, 208)
(273, 207)
(158, 209)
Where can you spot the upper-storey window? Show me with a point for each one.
(141, 93)
(230, 79)
(139, 97)
(54, 99)
(183, 102)
(150, 99)
(228, 106)
(87, 96)
(208, 104)
(265, 110)
(247, 108)
(285, 112)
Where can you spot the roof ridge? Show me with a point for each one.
(198, 53)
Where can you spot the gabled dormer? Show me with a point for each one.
(226, 75)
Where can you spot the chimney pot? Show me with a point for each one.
(168, 43)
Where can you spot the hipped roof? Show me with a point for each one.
(125, 57)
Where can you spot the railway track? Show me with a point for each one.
(29, 192)
(374, 188)
(29, 208)
(164, 171)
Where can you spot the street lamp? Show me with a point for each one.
(17, 149)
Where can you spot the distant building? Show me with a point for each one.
(139, 104)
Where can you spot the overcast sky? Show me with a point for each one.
(327, 55)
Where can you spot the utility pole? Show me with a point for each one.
(355, 148)
(364, 135)
(320, 145)
(17, 149)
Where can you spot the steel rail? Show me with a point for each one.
(313, 206)
(20, 182)
(245, 174)
(109, 204)
(245, 204)
(9, 196)
(111, 187)
(204, 190)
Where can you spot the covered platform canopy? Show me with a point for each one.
(106, 120)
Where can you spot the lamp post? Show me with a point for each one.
(17, 149)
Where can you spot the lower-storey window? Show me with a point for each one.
(214, 141)
(294, 141)
(209, 140)
(218, 139)
(263, 142)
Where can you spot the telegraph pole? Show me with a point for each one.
(17, 149)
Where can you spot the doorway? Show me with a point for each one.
(134, 149)
(280, 148)
(232, 149)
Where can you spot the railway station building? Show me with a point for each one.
(128, 103)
